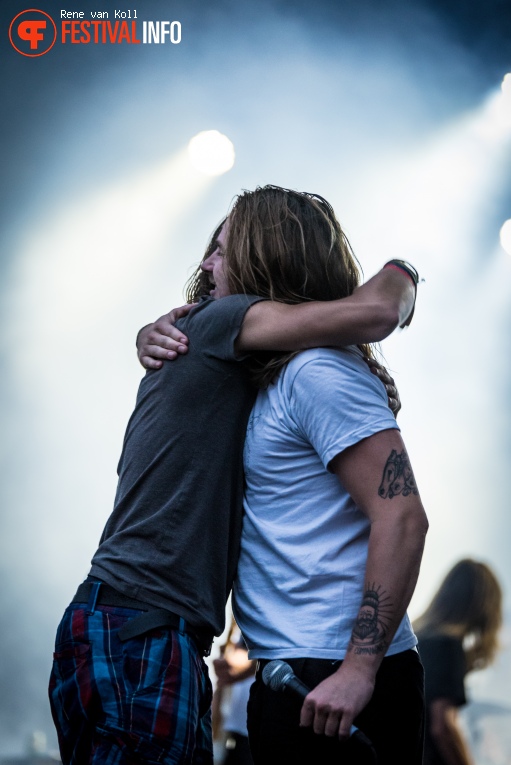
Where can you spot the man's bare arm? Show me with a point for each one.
(369, 315)
(377, 474)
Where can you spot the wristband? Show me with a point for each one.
(408, 269)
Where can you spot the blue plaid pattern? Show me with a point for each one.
(139, 702)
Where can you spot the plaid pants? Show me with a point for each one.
(138, 702)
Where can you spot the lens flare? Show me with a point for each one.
(211, 152)
(506, 86)
(505, 236)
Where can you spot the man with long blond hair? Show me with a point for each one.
(129, 682)
(334, 527)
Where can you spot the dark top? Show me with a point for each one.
(445, 668)
(173, 538)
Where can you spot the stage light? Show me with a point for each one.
(505, 236)
(211, 152)
(506, 86)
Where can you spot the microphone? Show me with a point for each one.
(278, 676)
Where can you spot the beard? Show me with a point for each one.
(366, 628)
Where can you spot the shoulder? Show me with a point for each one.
(211, 316)
(333, 399)
(325, 367)
(340, 358)
(337, 381)
(222, 307)
(214, 324)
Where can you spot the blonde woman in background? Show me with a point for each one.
(458, 633)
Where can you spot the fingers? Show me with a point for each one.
(162, 341)
(178, 313)
(163, 344)
(345, 725)
(325, 720)
(149, 363)
(332, 727)
(321, 719)
(165, 330)
(155, 346)
(307, 713)
(164, 327)
(151, 356)
(166, 323)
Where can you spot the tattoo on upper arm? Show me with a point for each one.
(397, 477)
(369, 634)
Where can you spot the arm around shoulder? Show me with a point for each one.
(369, 315)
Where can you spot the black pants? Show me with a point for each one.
(393, 720)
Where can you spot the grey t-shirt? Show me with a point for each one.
(173, 538)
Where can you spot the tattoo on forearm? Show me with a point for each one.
(369, 634)
(397, 477)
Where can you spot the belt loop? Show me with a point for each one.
(94, 592)
(182, 625)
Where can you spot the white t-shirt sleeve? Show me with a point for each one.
(335, 401)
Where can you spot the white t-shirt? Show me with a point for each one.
(304, 544)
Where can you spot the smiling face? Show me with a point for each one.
(215, 265)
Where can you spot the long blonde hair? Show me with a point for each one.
(467, 605)
(286, 246)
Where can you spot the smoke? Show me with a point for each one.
(379, 111)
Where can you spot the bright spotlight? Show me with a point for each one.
(505, 236)
(211, 152)
(506, 86)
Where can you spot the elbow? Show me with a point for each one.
(422, 522)
(421, 526)
(415, 526)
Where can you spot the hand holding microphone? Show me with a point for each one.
(278, 676)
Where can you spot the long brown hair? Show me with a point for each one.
(286, 246)
(467, 605)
